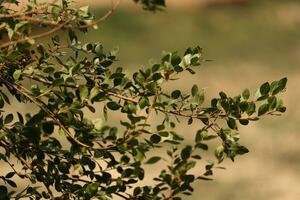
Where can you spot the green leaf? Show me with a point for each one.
(282, 83)
(198, 136)
(272, 101)
(155, 67)
(17, 74)
(3, 193)
(238, 149)
(199, 97)
(113, 105)
(160, 127)
(194, 90)
(8, 119)
(263, 109)
(231, 123)
(175, 60)
(48, 127)
(178, 69)
(11, 183)
(264, 89)
(58, 82)
(246, 94)
(223, 95)
(278, 86)
(244, 106)
(99, 49)
(280, 107)
(202, 146)
(164, 133)
(244, 121)
(176, 94)
(153, 160)
(64, 167)
(143, 102)
(83, 92)
(92, 189)
(10, 175)
(155, 138)
(94, 92)
(186, 152)
(156, 76)
(251, 108)
(49, 70)
(219, 153)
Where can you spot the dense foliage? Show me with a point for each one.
(55, 151)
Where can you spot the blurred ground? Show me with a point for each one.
(250, 44)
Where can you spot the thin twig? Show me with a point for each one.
(125, 98)
(44, 34)
(103, 18)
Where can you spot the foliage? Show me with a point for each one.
(64, 154)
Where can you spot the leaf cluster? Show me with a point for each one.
(65, 154)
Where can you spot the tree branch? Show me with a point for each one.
(44, 34)
(52, 115)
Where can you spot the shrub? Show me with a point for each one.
(61, 153)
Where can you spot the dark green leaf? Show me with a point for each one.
(264, 88)
(246, 94)
(10, 175)
(186, 152)
(153, 160)
(176, 94)
(231, 123)
(8, 119)
(244, 121)
(155, 138)
(113, 105)
(3, 193)
(202, 146)
(175, 60)
(222, 95)
(194, 90)
(11, 183)
(144, 102)
(83, 92)
(263, 109)
(48, 127)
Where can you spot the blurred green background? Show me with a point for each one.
(249, 44)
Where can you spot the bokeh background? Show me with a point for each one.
(250, 42)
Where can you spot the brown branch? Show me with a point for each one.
(38, 21)
(35, 36)
(125, 98)
(13, 168)
(22, 160)
(22, 16)
(35, 11)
